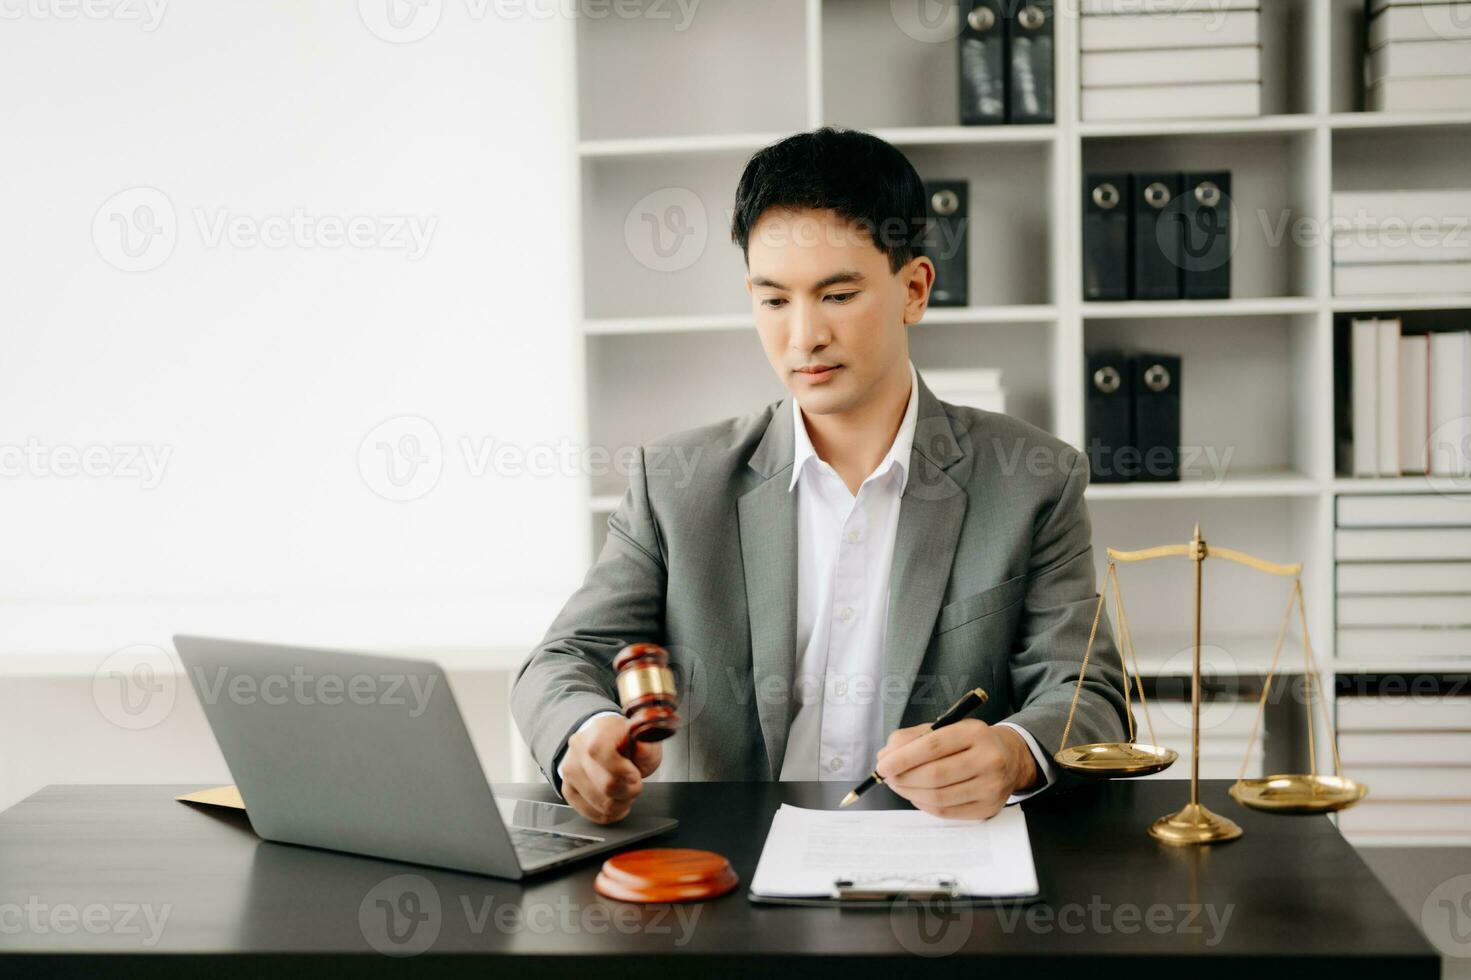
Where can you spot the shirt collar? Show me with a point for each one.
(898, 455)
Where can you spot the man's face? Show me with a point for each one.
(831, 316)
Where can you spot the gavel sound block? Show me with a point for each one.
(661, 874)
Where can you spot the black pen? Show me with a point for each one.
(969, 701)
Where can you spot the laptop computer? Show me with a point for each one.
(369, 754)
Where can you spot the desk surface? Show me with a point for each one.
(87, 870)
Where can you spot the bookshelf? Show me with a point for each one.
(665, 113)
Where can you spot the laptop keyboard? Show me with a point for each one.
(534, 845)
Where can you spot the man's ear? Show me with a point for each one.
(918, 277)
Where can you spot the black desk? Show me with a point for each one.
(1297, 895)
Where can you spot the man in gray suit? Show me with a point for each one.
(831, 572)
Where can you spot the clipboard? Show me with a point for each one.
(858, 892)
(876, 858)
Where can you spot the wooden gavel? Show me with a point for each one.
(646, 693)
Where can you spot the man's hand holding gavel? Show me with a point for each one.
(598, 780)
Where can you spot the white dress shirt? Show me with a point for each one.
(845, 549)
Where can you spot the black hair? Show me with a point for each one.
(855, 174)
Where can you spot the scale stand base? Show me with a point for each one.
(1194, 824)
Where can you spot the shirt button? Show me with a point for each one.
(853, 537)
(840, 688)
(846, 614)
(835, 764)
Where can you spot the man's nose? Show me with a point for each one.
(808, 330)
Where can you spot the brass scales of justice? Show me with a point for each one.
(1307, 792)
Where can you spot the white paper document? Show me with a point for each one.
(807, 850)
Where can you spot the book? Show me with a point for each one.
(1404, 610)
(1420, 22)
(1414, 406)
(1397, 279)
(1405, 510)
(1386, 392)
(1106, 7)
(1402, 544)
(1371, 577)
(1377, 713)
(1399, 243)
(1365, 396)
(1186, 29)
(1419, 94)
(1217, 100)
(1450, 403)
(1419, 59)
(1437, 748)
(1402, 643)
(1404, 207)
(1099, 69)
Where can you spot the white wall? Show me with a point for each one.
(256, 372)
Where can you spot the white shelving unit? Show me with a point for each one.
(676, 115)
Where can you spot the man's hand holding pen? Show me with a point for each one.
(964, 771)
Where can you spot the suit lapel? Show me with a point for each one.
(931, 513)
(768, 526)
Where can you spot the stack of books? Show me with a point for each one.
(1418, 57)
(973, 388)
(1170, 59)
(1408, 403)
(1396, 242)
(1225, 729)
(1403, 576)
(1413, 751)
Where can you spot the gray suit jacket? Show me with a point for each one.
(992, 585)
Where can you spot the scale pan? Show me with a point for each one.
(1298, 793)
(1115, 760)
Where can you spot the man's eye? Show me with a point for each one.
(773, 303)
(841, 297)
